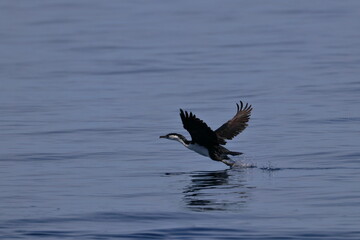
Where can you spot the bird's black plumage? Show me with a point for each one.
(202, 135)
(199, 131)
(237, 124)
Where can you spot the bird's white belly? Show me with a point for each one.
(199, 149)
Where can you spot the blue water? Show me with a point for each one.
(87, 88)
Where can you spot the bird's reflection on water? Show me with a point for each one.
(216, 190)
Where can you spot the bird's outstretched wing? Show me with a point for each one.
(237, 124)
(200, 132)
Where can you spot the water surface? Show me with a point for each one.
(87, 87)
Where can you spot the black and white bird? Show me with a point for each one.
(208, 142)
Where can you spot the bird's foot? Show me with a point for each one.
(228, 162)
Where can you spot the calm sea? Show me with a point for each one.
(87, 88)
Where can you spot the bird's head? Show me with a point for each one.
(172, 136)
(177, 137)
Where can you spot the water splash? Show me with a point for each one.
(270, 167)
(242, 162)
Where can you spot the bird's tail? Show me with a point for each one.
(234, 153)
(228, 152)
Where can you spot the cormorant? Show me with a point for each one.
(208, 142)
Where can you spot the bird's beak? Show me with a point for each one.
(162, 137)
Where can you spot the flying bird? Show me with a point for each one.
(210, 143)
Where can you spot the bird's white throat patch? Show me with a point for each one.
(199, 149)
